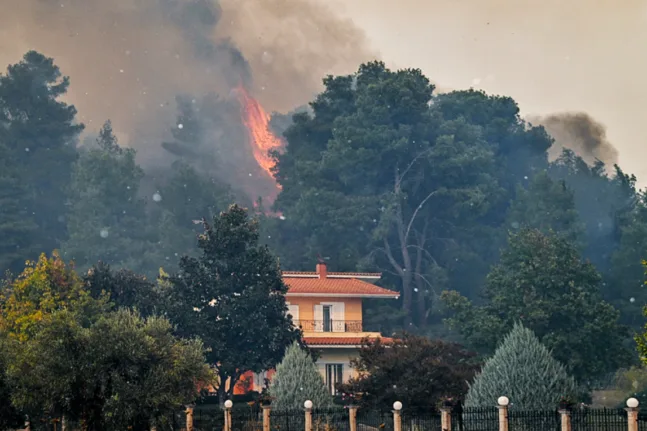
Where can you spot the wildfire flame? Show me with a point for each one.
(261, 138)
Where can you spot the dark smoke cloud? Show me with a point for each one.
(580, 133)
(129, 59)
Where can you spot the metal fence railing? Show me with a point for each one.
(287, 420)
(212, 418)
(527, 420)
(246, 420)
(329, 325)
(476, 419)
(330, 420)
(599, 420)
(208, 418)
(421, 421)
(374, 420)
(250, 417)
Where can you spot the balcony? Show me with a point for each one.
(329, 325)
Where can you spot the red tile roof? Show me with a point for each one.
(349, 287)
(339, 341)
(331, 284)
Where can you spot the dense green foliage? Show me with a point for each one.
(123, 288)
(546, 205)
(413, 370)
(379, 174)
(542, 281)
(105, 207)
(297, 380)
(641, 339)
(371, 178)
(523, 370)
(37, 137)
(232, 297)
(66, 354)
(120, 372)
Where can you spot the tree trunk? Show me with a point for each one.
(407, 298)
(226, 392)
(407, 268)
(421, 300)
(421, 297)
(222, 392)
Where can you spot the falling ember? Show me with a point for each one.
(261, 138)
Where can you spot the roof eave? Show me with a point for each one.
(336, 346)
(359, 277)
(344, 295)
(337, 275)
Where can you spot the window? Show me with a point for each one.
(327, 318)
(334, 377)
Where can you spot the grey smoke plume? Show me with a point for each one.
(579, 132)
(129, 59)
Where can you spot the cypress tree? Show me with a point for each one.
(523, 370)
(297, 380)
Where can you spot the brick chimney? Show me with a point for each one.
(322, 270)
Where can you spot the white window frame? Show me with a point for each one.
(333, 372)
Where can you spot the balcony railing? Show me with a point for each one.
(329, 325)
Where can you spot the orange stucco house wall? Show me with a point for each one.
(327, 306)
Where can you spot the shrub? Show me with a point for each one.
(523, 370)
(297, 380)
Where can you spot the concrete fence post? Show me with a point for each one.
(189, 418)
(503, 402)
(566, 419)
(228, 405)
(397, 416)
(446, 418)
(266, 417)
(308, 412)
(632, 414)
(352, 417)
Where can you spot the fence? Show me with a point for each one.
(246, 418)
(351, 418)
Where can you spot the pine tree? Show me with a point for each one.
(18, 231)
(523, 370)
(105, 209)
(542, 281)
(546, 205)
(188, 195)
(297, 380)
(37, 149)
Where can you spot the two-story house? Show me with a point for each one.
(327, 306)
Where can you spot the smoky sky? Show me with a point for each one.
(581, 133)
(129, 59)
(549, 55)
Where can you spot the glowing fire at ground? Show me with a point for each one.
(257, 122)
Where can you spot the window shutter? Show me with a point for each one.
(293, 310)
(318, 318)
(338, 320)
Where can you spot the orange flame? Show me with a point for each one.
(257, 122)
